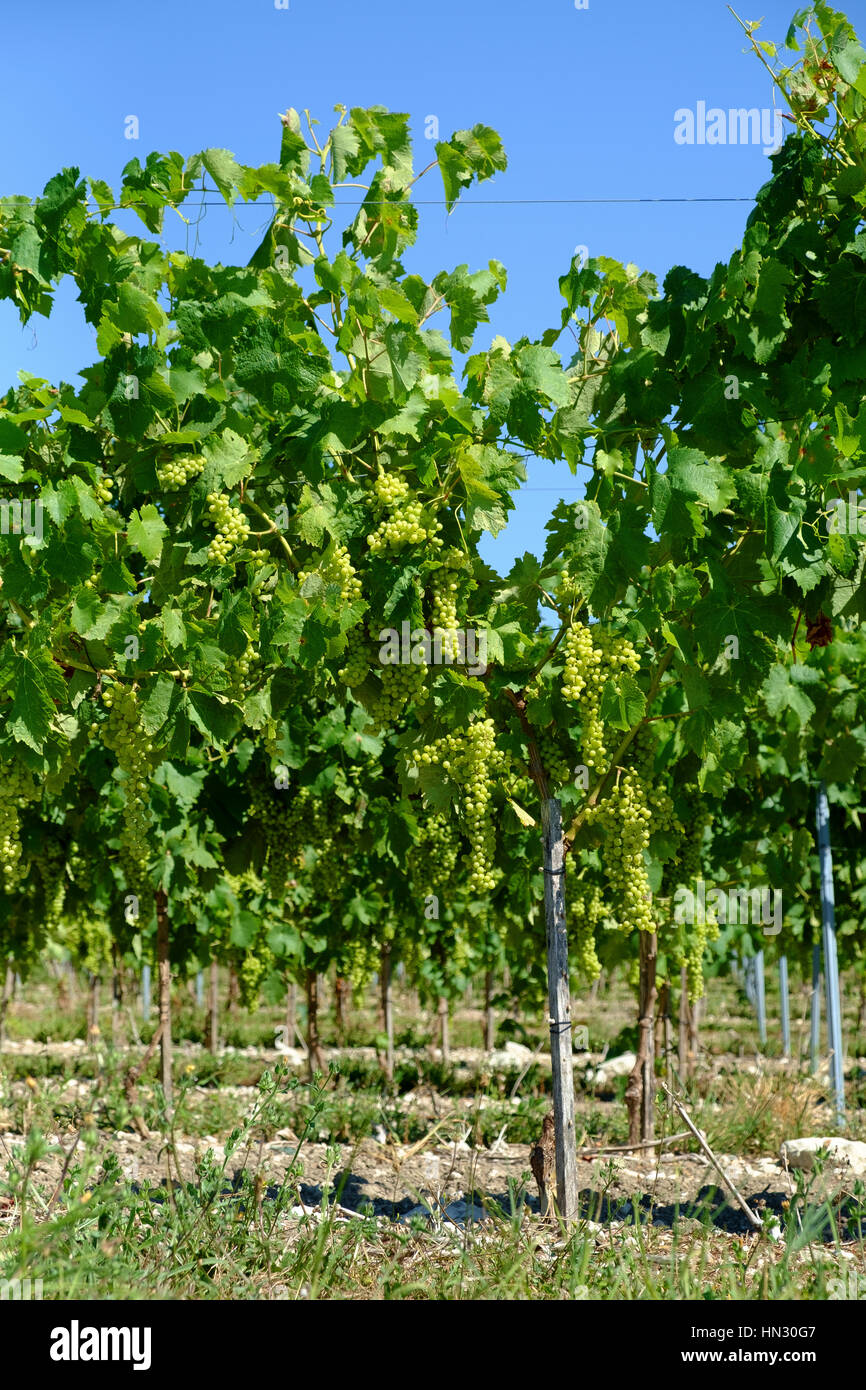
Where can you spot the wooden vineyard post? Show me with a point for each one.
(694, 1032)
(489, 1014)
(667, 1049)
(559, 1006)
(640, 1091)
(341, 991)
(444, 1035)
(662, 1027)
(315, 1058)
(116, 996)
(683, 1053)
(145, 993)
(233, 994)
(387, 990)
(292, 1030)
(213, 998)
(4, 1000)
(163, 966)
(93, 1009)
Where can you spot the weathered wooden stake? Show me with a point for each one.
(444, 1033)
(234, 993)
(640, 1091)
(145, 993)
(8, 984)
(341, 993)
(116, 996)
(93, 1010)
(559, 1005)
(489, 1013)
(694, 1032)
(387, 991)
(164, 981)
(315, 1058)
(683, 1054)
(213, 1004)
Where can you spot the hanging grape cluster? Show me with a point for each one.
(471, 759)
(359, 961)
(50, 866)
(398, 683)
(16, 787)
(405, 523)
(257, 963)
(123, 733)
(104, 490)
(290, 820)
(582, 662)
(553, 760)
(340, 571)
(232, 528)
(176, 472)
(238, 670)
(433, 860)
(594, 656)
(357, 659)
(622, 818)
(586, 907)
(444, 590)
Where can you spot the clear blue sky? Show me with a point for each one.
(584, 100)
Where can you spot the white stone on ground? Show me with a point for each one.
(846, 1154)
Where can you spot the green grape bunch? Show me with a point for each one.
(239, 668)
(593, 656)
(397, 684)
(179, 470)
(622, 819)
(358, 659)
(433, 860)
(405, 524)
(50, 866)
(103, 489)
(400, 685)
(290, 820)
(340, 571)
(587, 911)
(408, 528)
(17, 786)
(582, 662)
(232, 528)
(471, 759)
